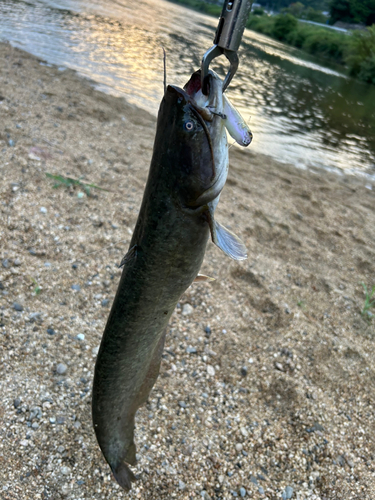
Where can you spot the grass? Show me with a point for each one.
(37, 288)
(369, 302)
(70, 182)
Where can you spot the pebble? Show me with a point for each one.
(61, 369)
(5, 263)
(17, 402)
(288, 493)
(17, 262)
(244, 371)
(244, 431)
(105, 302)
(80, 336)
(191, 350)
(95, 350)
(254, 480)
(51, 331)
(242, 492)
(239, 447)
(76, 287)
(65, 470)
(279, 367)
(187, 309)
(181, 485)
(43, 210)
(52, 420)
(261, 490)
(17, 307)
(182, 404)
(11, 142)
(211, 370)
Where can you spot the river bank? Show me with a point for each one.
(267, 382)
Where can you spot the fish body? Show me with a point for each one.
(188, 171)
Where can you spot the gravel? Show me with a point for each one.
(308, 426)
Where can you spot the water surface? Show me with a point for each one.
(300, 111)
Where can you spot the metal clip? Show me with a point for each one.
(227, 39)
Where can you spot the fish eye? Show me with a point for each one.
(189, 125)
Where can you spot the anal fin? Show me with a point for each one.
(130, 254)
(202, 277)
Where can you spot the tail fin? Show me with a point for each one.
(124, 476)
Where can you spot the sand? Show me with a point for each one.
(267, 381)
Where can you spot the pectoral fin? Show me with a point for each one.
(228, 242)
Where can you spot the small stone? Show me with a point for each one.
(288, 492)
(61, 369)
(221, 479)
(43, 210)
(244, 371)
(52, 420)
(51, 331)
(181, 485)
(191, 350)
(35, 425)
(261, 490)
(187, 309)
(17, 402)
(17, 262)
(35, 412)
(11, 142)
(60, 449)
(33, 317)
(80, 336)
(80, 195)
(207, 331)
(239, 447)
(17, 307)
(242, 492)
(210, 370)
(182, 404)
(279, 367)
(60, 419)
(24, 442)
(76, 287)
(244, 431)
(5, 263)
(254, 480)
(65, 470)
(105, 302)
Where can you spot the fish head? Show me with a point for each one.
(195, 142)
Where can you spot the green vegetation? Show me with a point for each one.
(368, 302)
(357, 51)
(361, 58)
(320, 42)
(69, 182)
(37, 288)
(208, 8)
(353, 11)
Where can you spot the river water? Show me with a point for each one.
(300, 112)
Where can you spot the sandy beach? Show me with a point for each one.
(267, 383)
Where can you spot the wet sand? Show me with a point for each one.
(267, 380)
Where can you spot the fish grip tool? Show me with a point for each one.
(227, 39)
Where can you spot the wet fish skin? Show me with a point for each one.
(166, 253)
